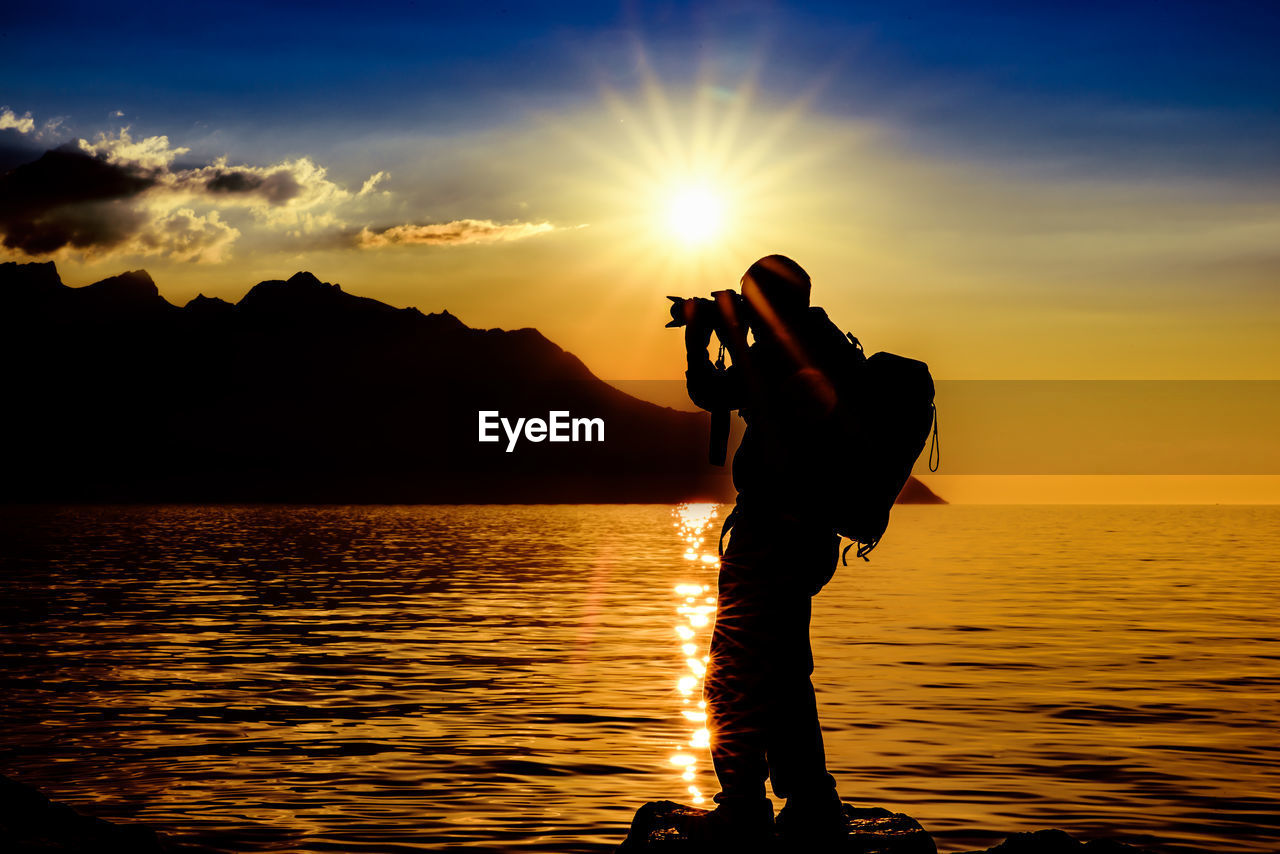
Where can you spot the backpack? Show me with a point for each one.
(884, 414)
(869, 442)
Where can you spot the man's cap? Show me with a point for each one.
(783, 282)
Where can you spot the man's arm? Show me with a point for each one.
(709, 388)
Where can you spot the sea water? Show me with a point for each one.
(385, 679)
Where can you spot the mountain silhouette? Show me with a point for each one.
(301, 391)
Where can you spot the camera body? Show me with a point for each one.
(724, 311)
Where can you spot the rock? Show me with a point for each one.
(1058, 842)
(871, 830)
(32, 824)
(658, 825)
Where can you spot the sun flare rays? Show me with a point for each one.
(692, 185)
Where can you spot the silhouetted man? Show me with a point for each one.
(760, 701)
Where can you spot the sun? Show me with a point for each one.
(695, 215)
(689, 186)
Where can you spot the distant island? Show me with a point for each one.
(303, 392)
(915, 492)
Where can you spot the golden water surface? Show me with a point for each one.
(389, 679)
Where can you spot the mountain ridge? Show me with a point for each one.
(300, 391)
(43, 279)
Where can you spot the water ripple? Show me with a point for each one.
(400, 679)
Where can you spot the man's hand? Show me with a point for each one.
(696, 340)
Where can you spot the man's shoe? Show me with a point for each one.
(736, 826)
(812, 822)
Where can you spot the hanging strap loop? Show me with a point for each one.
(935, 446)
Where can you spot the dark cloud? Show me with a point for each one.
(70, 198)
(16, 150)
(125, 195)
(277, 187)
(98, 225)
(122, 194)
(233, 182)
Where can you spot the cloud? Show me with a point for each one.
(68, 198)
(372, 182)
(185, 236)
(294, 194)
(276, 187)
(454, 233)
(119, 194)
(51, 127)
(25, 126)
(22, 124)
(71, 198)
(93, 226)
(109, 196)
(150, 153)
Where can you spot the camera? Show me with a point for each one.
(726, 314)
(723, 311)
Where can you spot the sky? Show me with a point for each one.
(1005, 190)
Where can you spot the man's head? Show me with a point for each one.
(776, 287)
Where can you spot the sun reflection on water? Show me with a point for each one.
(696, 610)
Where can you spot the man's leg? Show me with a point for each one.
(737, 704)
(796, 757)
(793, 743)
(760, 699)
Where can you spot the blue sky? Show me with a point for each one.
(1154, 85)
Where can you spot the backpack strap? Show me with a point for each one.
(864, 549)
